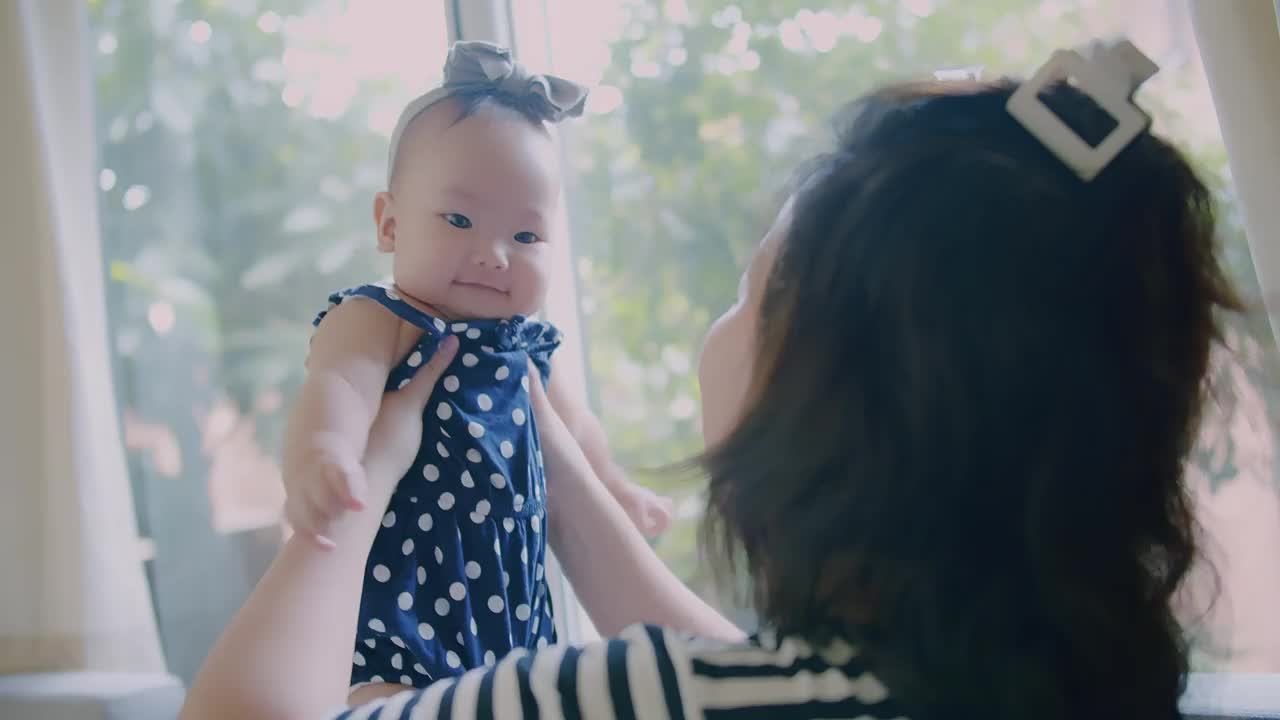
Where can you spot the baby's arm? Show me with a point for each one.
(614, 571)
(352, 351)
(650, 512)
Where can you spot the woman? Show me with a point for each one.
(947, 421)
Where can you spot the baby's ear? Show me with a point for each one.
(384, 217)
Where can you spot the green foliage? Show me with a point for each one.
(253, 210)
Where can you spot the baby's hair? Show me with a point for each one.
(470, 103)
(979, 379)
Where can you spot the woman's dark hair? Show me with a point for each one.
(978, 382)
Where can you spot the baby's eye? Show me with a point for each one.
(526, 238)
(459, 221)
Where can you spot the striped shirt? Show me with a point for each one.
(649, 673)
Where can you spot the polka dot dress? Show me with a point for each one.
(455, 578)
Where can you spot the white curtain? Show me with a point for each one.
(1240, 46)
(73, 595)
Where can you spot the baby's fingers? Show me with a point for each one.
(305, 521)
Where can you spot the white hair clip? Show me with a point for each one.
(1109, 73)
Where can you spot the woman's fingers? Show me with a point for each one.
(418, 391)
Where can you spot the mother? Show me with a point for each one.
(948, 418)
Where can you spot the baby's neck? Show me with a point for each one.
(436, 310)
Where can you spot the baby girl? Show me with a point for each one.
(456, 577)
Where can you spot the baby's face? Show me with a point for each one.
(469, 216)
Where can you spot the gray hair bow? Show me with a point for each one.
(475, 67)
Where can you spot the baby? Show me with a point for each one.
(456, 576)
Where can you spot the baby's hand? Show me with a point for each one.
(325, 481)
(650, 512)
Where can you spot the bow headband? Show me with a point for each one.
(481, 68)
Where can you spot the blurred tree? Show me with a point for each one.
(237, 173)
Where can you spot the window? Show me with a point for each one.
(699, 101)
(241, 143)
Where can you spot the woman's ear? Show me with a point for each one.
(384, 217)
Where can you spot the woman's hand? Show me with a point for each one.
(396, 432)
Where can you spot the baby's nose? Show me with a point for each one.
(493, 257)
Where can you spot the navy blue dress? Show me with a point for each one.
(456, 575)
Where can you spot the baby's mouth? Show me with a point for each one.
(481, 286)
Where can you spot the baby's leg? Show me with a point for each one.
(372, 691)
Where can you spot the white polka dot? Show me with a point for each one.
(422, 575)
(497, 480)
(357, 659)
(502, 373)
(425, 522)
(517, 503)
(430, 472)
(397, 661)
(425, 631)
(508, 524)
(506, 578)
(459, 327)
(495, 604)
(375, 679)
(441, 450)
(440, 325)
(523, 612)
(451, 383)
(497, 547)
(395, 640)
(415, 359)
(439, 556)
(461, 641)
(446, 501)
(407, 546)
(467, 480)
(389, 519)
(469, 360)
(370, 643)
(417, 667)
(444, 412)
(484, 402)
(405, 601)
(507, 449)
(524, 555)
(473, 570)
(483, 507)
(457, 591)
(524, 383)
(413, 499)
(474, 333)
(489, 657)
(381, 573)
(403, 384)
(477, 518)
(517, 416)
(537, 572)
(376, 625)
(474, 455)
(542, 643)
(452, 659)
(536, 523)
(406, 680)
(442, 607)
(474, 629)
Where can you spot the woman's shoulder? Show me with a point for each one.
(654, 671)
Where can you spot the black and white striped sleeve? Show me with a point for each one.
(634, 677)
